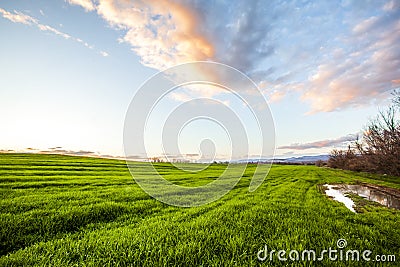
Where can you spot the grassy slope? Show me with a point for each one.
(59, 210)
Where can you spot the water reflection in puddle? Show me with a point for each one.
(334, 192)
(338, 193)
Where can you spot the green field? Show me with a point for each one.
(74, 211)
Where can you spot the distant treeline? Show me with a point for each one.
(378, 149)
(295, 163)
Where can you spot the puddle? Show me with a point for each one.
(385, 196)
(334, 192)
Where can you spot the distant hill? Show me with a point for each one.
(304, 159)
(301, 159)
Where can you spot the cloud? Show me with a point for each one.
(363, 71)
(162, 33)
(180, 96)
(52, 30)
(7, 151)
(276, 95)
(288, 153)
(365, 25)
(392, 5)
(55, 150)
(192, 155)
(19, 17)
(322, 144)
(61, 151)
(57, 147)
(335, 56)
(86, 4)
(247, 33)
(104, 54)
(166, 33)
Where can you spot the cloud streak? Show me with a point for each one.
(19, 17)
(322, 144)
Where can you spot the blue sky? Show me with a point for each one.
(70, 68)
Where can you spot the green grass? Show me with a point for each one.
(75, 211)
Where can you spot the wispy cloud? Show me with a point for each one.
(54, 150)
(353, 76)
(7, 151)
(53, 30)
(19, 17)
(69, 152)
(86, 4)
(322, 144)
(104, 54)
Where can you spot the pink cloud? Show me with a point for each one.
(321, 144)
(162, 33)
(345, 69)
(351, 80)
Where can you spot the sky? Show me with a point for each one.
(70, 68)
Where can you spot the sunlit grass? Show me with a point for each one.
(60, 211)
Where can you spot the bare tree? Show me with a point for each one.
(344, 159)
(396, 97)
(379, 148)
(381, 140)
